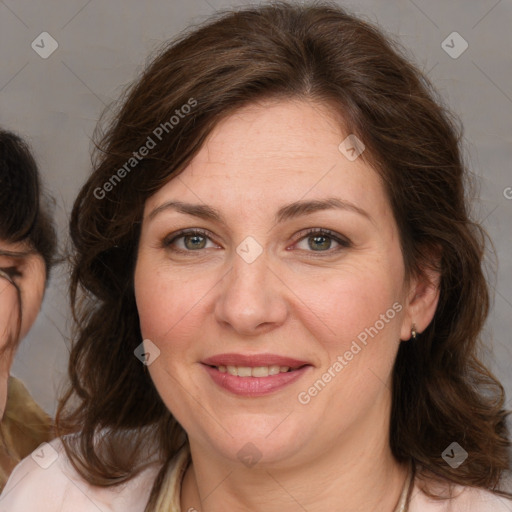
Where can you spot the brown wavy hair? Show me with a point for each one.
(441, 390)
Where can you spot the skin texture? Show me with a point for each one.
(292, 300)
(27, 270)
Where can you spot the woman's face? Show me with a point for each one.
(256, 285)
(22, 268)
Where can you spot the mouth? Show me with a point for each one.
(254, 375)
(256, 365)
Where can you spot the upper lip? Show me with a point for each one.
(253, 360)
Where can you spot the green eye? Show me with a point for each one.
(191, 240)
(194, 241)
(321, 240)
(318, 241)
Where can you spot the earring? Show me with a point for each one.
(413, 332)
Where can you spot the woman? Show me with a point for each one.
(277, 288)
(27, 246)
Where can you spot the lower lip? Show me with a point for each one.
(254, 386)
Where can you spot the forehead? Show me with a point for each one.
(278, 151)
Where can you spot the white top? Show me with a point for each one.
(46, 481)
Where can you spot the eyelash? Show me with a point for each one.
(12, 272)
(343, 242)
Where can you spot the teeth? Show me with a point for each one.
(257, 371)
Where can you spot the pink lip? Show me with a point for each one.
(253, 360)
(255, 386)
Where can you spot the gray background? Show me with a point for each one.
(55, 103)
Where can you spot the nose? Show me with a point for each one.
(252, 298)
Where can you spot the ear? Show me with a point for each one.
(422, 300)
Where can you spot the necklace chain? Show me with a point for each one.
(403, 505)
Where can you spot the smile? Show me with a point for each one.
(254, 381)
(256, 371)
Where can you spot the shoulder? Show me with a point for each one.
(465, 499)
(47, 482)
(24, 425)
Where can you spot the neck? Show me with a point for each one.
(356, 473)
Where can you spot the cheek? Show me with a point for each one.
(32, 298)
(171, 315)
(365, 312)
(9, 311)
(166, 301)
(4, 380)
(8, 327)
(352, 300)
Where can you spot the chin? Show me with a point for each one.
(251, 442)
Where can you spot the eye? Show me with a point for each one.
(187, 240)
(320, 240)
(10, 273)
(193, 240)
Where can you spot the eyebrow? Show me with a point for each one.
(289, 211)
